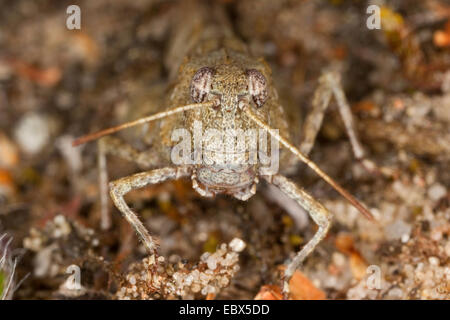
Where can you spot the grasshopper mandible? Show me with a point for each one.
(222, 86)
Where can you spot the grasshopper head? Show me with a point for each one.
(229, 86)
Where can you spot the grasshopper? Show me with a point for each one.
(221, 85)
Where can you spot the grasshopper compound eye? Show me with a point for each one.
(257, 87)
(201, 84)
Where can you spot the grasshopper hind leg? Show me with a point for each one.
(329, 86)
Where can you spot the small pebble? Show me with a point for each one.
(434, 261)
(405, 238)
(447, 249)
(32, 133)
(397, 230)
(437, 191)
(395, 293)
(237, 245)
(338, 259)
(212, 263)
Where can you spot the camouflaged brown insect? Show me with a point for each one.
(216, 82)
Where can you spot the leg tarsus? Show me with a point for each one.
(373, 168)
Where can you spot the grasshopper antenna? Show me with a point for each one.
(253, 116)
(99, 134)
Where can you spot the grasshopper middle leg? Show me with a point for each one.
(114, 146)
(320, 215)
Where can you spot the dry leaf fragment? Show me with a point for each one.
(9, 155)
(344, 243)
(7, 186)
(301, 288)
(441, 38)
(269, 292)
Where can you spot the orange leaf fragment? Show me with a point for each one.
(364, 105)
(7, 186)
(269, 292)
(344, 243)
(47, 77)
(86, 47)
(9, 154)
(301, 288)
(441, 38)
(358, 266)
(210, 296)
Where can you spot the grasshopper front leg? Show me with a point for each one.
(320, 215)
(119, 188)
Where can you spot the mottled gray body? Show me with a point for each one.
(230, 85)
(208, 64)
